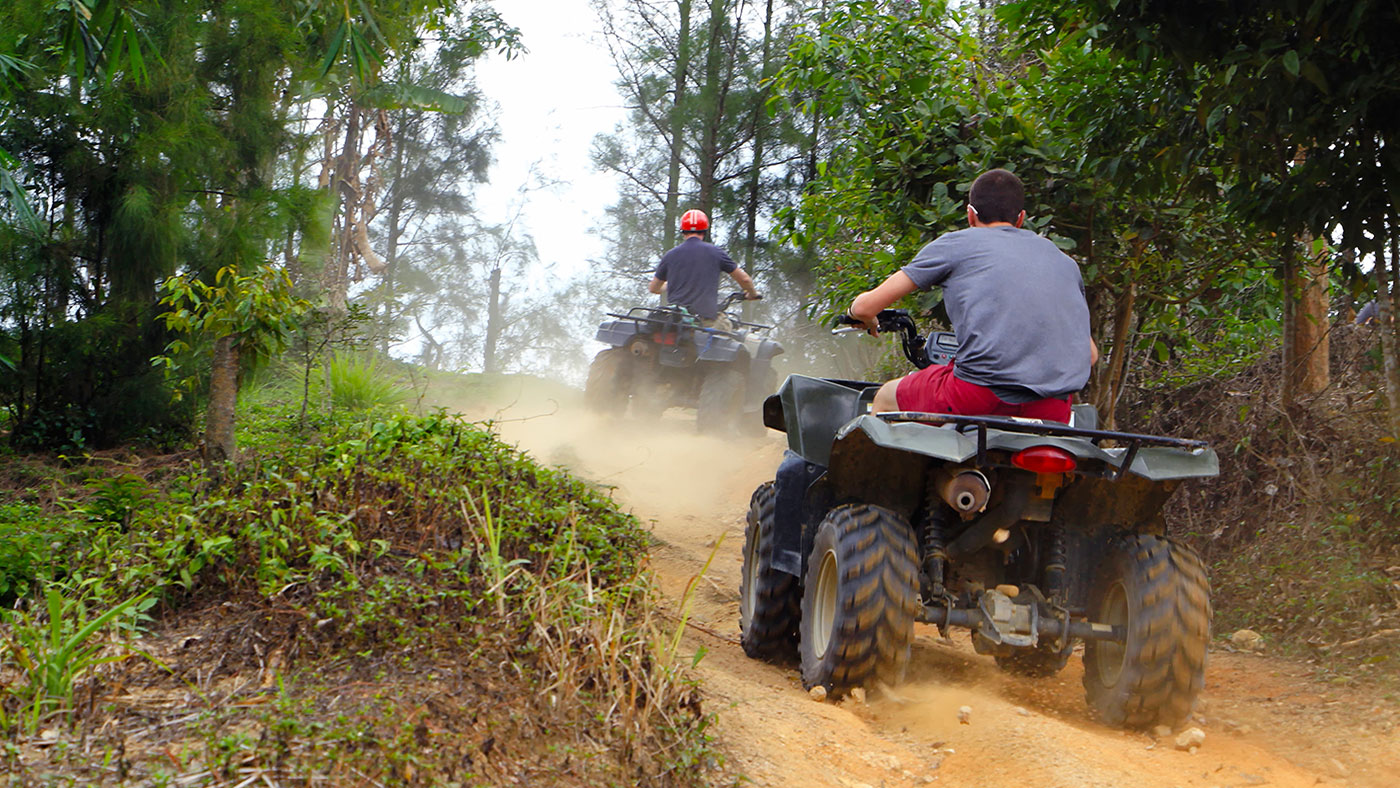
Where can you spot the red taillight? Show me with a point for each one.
(1044, 459)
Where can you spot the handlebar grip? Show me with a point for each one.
(844, 319)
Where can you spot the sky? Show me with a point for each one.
(553, 101)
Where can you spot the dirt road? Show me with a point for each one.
(1267, 721)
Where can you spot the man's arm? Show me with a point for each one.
(657, 286)
(745, 281)
(1093, 352)
(867, 305)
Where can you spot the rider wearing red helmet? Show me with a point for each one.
(689, 273)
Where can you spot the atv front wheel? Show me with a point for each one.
(609, 378)
(859, 599)
(1156, 589)
(721, 397)
(770, 600)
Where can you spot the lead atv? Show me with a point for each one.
(1033, 535)
(659, 357)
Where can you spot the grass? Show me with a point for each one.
(382, 598)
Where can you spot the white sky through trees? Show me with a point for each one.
(553, 102)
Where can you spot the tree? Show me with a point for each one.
(926, 98)
(243, 317)
(146, 138)
(1301, 95)
(426, 202)
(701, 132)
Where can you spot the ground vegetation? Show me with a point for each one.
(389, 598)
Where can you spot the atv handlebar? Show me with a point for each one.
(894, 320)
(738, 295)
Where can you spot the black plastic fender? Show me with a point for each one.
(794, 478)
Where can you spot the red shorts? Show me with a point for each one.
(936, 389)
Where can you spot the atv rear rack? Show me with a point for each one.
(1132, 440)
(672, 316)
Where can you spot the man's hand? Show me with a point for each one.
(870, 323)
(753, 295)
(869, 304)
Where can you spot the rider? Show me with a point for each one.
(1017, 306)
(689, 273)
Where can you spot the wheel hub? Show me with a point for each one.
(1114, 612)
(825, 613)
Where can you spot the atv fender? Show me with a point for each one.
(617, 332)
(712, 345)
(760, 373)
(793, 507)
(1154, 463)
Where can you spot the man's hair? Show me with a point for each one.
(997, 196)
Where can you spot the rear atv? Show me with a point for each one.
(661, 357)
(1033, 535)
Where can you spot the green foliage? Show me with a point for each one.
(258, 309)
(135, 134)
(28, 541)
(115, 499)
(57, 651)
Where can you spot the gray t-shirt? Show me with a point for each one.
(1017, 306)
(691, 273)
(1368, 313)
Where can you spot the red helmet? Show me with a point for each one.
(693, 221)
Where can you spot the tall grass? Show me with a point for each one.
(56, 653)
(361, 381)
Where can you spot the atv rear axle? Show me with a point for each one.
(1045, 625)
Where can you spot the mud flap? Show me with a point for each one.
(793, 478)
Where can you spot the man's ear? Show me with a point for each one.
(971, 216)
(1021, 219)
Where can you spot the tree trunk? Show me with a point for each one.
(393, 233)
(1385, 312)
(219, 446)
(494, 320)
(345, 190)
(1124, 310)
(712, 96)
(760, 126)
(1305, 326)
(681, 75)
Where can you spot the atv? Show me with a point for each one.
(659, 357)
(1034, 535)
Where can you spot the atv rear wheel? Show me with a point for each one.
(721, 397)
(1157, 590)
(859, 599)
(770, 600)
(609, 378)
(1037, 662)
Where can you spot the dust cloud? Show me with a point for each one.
(659, 469)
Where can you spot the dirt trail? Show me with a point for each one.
(1266, 721)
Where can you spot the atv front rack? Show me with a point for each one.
(1132, 440)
